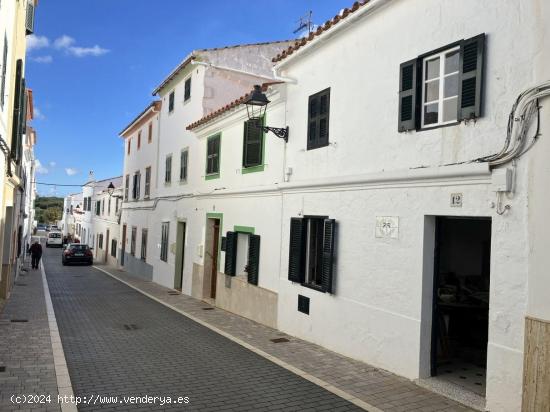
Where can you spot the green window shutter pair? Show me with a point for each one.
(318, 119)
(298, 248)
(253, 142)
(253, 262)
(472, 54)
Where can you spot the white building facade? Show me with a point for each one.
(202, 82)
(394, 225)
(105, 220)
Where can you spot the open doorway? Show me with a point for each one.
(180, 256)
(461, 301)
(212, 243)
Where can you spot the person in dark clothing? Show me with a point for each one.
(36, 254)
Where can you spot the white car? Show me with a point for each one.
(54, 239)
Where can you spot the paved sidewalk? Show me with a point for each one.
(374, 388)
(25, 347)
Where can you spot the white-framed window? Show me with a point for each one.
(440, 88)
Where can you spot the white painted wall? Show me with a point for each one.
(376, 314)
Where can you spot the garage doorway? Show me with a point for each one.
(460, 321)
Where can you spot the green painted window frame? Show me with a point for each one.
(215, 175)
(261, 166)
(244, 229)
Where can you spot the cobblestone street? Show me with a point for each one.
(118, 342)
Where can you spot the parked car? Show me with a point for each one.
(77, 253)
(54, 239)
(41, 226)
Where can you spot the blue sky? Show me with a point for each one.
(93, 64)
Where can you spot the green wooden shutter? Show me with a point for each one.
(296, 250)
(471, 77)
(17, 109)
(253, 258)
(323, 120)
(312, 130)
(230, 253)
(328, 254)
(407, 96)
(253, 144)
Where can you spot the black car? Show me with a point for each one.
(77, 253)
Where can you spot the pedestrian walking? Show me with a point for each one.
(36, 254)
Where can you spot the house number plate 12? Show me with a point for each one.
(456, 199)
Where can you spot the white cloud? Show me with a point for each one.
(52, 164)
(87, 51)
(71, 171)
(42, 59)
(68, 44)
(37, 42)
(37, 113)
(39, 168)
(63, 42)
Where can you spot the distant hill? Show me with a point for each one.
(48, 209)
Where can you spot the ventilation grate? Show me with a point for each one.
(130, 326)
(303, 304)
(279, 340)
(19, 320)
(2, 369)
(173, 293)
(207, 308)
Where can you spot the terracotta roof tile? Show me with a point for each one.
(320, 30)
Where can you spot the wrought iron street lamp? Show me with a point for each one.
(256, 106)
(110, 189)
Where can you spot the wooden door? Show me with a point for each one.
(215, 245)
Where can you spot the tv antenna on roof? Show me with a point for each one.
(305, 23)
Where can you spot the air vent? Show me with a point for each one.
(207, 308)
(2, 369)
(303, 304)
(130, 326)
(19, 320)
(173, 293)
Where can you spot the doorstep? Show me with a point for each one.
(371, 388)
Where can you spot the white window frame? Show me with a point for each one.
(441, 99)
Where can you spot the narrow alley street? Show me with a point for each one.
(118, 342)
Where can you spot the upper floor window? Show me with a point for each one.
(103, 206)
(109, 206)
(187, 93)
(137, 181)
(139, 140)
(253, 143)
(171, 98)
(98, 207)
(129, 145)
(150, 133)
(318, 119)
(168, 169)
(213, 156)
(126, 187)
(147, 182)
(184, 156)
(443, 86)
